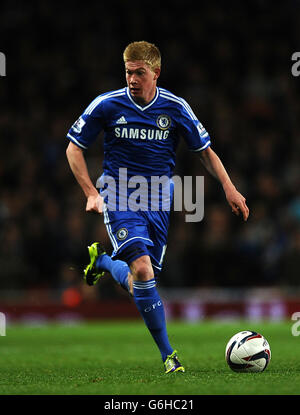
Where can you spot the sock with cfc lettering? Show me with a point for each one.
(151, 308)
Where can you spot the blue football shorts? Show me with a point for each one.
(144, 230)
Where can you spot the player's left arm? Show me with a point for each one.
(215, 167)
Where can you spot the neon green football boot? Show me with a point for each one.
(91, 273)
(172, 363)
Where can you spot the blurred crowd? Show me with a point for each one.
(233, 66)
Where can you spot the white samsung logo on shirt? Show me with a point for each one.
(142, 134)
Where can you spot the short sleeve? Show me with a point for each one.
(193, 132)
(86, 129)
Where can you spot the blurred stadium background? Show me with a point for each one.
(233, 65)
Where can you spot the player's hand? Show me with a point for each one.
(94, 204)
(237, 202)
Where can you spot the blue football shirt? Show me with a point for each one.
(142, 139)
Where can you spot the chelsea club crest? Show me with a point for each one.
(122, 234)
(163, 122)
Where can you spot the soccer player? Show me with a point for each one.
(142, 124)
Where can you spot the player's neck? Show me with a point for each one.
(145, 100)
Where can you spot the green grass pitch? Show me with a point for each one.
(120, 358)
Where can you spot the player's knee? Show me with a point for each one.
(142, 269)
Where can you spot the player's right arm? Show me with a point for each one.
(81, 135)
(79, 168)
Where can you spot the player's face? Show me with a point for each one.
(141, 81)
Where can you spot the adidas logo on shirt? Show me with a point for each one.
(121, 120)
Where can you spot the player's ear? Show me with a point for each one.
(156, 73)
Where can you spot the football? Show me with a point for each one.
(248, 351)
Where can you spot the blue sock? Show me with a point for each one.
(118, 269)
(151, 308)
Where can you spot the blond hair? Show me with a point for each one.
(143, 51)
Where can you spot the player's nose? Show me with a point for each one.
(133, 81)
